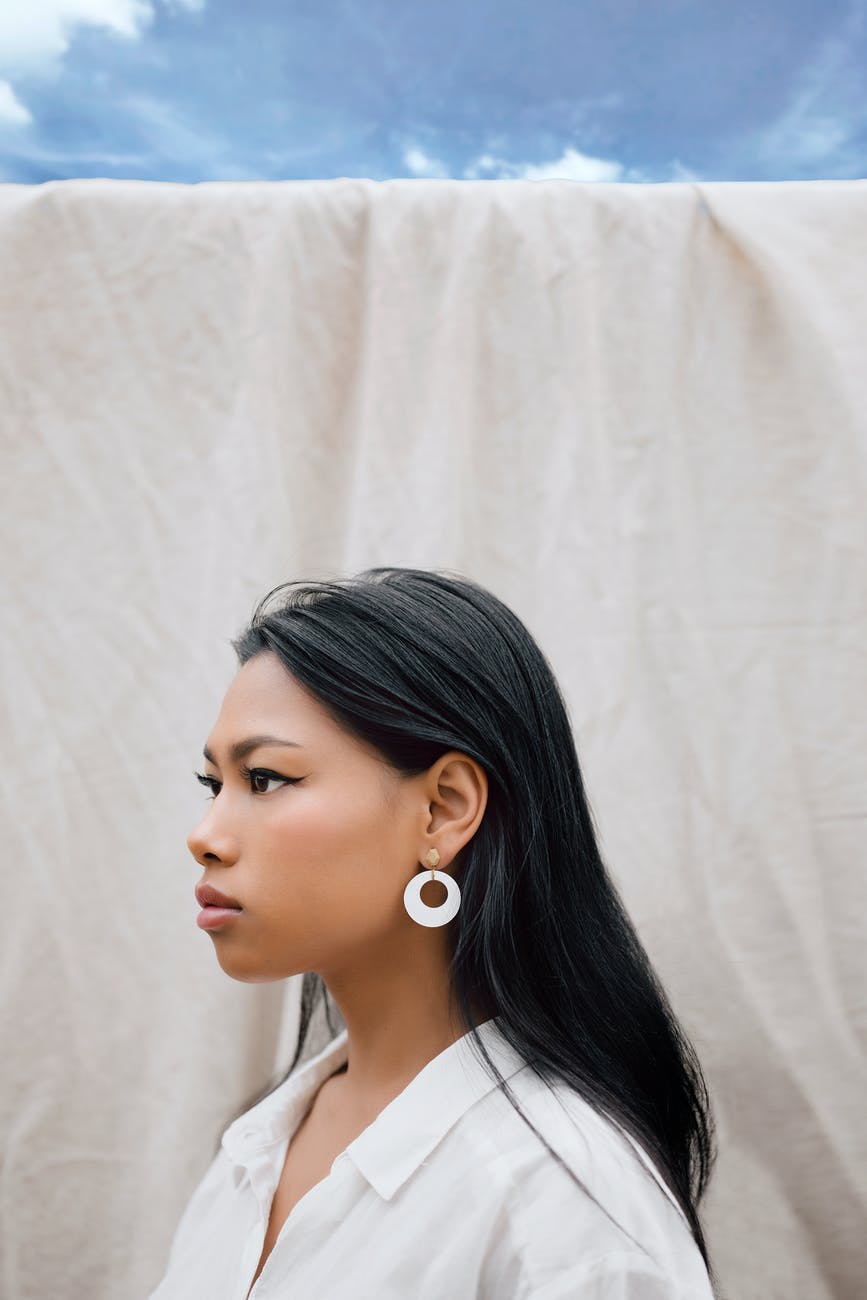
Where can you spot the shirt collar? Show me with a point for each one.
(406, 1131)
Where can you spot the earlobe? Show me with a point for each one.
(422, 912)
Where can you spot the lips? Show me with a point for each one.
(207, 896)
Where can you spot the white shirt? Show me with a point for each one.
(446, 1195)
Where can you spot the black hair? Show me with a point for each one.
(417, 662)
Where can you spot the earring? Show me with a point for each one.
(422, 912)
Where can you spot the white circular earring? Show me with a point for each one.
(422, 912)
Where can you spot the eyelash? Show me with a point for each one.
(247, 773)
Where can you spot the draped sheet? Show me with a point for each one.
(637, 414)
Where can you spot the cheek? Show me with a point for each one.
(339, 848)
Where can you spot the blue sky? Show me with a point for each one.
(627, 90)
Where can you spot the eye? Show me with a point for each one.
(209, 782)
(262, 774)
(251, 775)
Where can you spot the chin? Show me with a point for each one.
(251, 973)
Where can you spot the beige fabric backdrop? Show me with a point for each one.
(637, 414)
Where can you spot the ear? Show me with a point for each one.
(456, 789)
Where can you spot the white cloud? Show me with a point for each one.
(39, 32)
(571, 166)
(421, 164)
(34, 36)
(12, 111)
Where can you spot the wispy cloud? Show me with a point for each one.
(171, 134)
(12, 111)
(822, 129)
(182, 90)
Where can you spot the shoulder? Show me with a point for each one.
(623, 1238)
(619, 1275)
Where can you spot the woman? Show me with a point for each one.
(508, 1108)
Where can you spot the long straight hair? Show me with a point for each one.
(416, 662)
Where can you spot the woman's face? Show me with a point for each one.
(318, 849)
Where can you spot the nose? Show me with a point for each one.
(209, 841)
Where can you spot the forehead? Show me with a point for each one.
(264, 698)
(264, 682)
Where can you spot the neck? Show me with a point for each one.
(397, 1014)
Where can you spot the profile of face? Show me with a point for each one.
(318, 838)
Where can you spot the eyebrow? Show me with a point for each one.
(242, 748)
